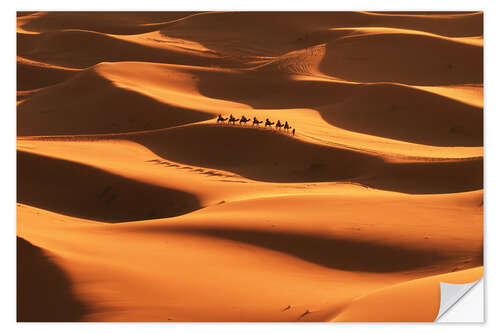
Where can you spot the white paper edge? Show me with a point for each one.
(462, 303)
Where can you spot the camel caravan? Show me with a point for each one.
(243, 120)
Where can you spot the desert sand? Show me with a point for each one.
(134, 204)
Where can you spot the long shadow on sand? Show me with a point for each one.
(336, 253)
(78, 190)
(43, 290)
(266, 155)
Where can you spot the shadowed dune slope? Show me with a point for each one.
(271, 156)
(428, 177)
(404, 58)
(407, 114)
(328, 251)
(280, 32)
(107, 22)
(32, 75)
(91, 104)
(44, 292)
(78, 190)
(358, 215)
(258, 154)
(82, 48)
(387, 110)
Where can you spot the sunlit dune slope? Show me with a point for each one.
(83, 48)
(280, 32)
(89, 103)
(406, 58)
(51, 184)
(300, 263)
(134, 204)
(266, 155)
(407, 114)
(388, 110)
(33, 75)
(107, 22)
(412, 301)
(257, 154)
(270, 156)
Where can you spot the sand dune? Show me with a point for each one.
(434, 61)
(407, 114)
(404, 302)
(256, 154)
(101, 196)
(89, 103)
(135, 205)
(388, 110)
(106, 22)
(281, 32)
(84, 48)
(269, 238)
(33, 75)
(45, 293)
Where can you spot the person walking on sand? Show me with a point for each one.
(293, 132)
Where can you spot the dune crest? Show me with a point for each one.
(136, 203)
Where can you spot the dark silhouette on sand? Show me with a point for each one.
(233, 120)
(244, 120)
(221, 119)
(269, 123)
(287, 127)
(279, 125)
(256, 121)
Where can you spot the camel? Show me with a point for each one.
(232, 119)
(256, 122)
(286, 126)
(279, 125)
(268, 123)
(244, 120)
(221, 119)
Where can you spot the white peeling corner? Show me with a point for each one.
(461, 302)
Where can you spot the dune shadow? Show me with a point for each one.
(328, 251)
(262, 155)
(44, 292)
(82, 191)
(405, 58)
(270, 156)
(31, 76)
(88, 103)
(409, 115)
(427, 177)
(74, 44)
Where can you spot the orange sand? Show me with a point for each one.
(134, 205)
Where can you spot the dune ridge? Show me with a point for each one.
(140, 207)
